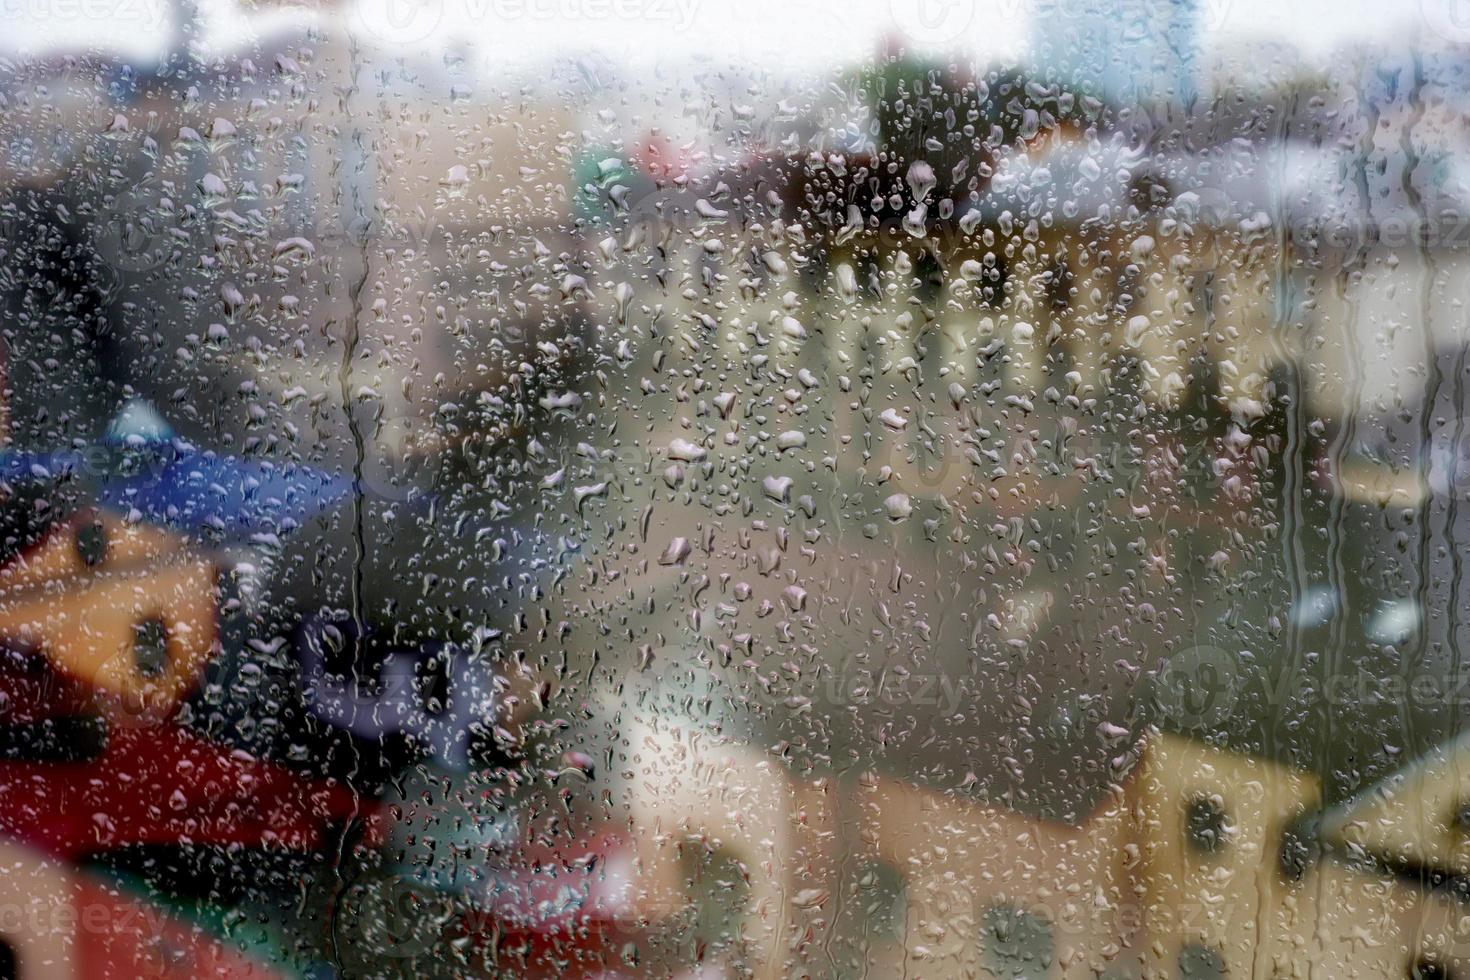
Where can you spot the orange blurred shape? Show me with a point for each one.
(126, 609)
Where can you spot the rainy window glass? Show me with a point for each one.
(701, 489)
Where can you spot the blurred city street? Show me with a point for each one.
(626, 488)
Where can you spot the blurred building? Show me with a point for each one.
(1126, 51)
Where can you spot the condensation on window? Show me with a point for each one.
(649, 488)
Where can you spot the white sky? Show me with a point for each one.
(778, 33)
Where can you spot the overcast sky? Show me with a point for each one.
(774, 32)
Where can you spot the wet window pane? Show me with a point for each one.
(621, 488)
